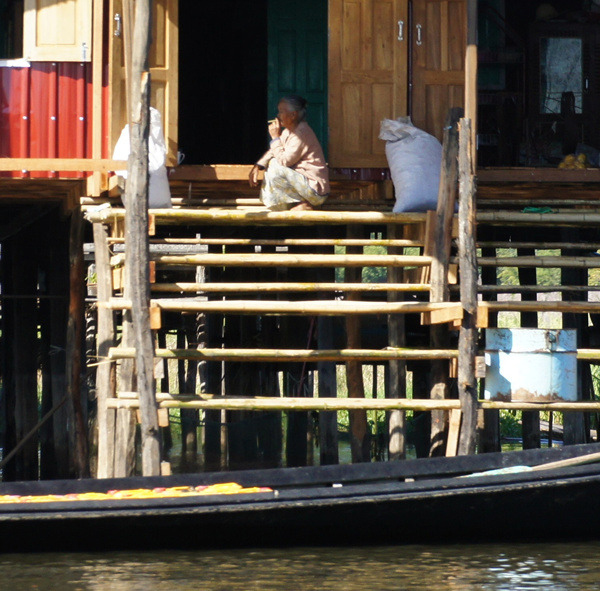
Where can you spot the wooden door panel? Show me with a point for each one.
(163, 60)
(439, 45)
(367, 78)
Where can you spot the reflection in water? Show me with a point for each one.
(572, 567)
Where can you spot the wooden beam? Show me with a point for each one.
(538, 175)
(62, 164)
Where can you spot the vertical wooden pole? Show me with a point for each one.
(57, 270)
(359, 430)
(530, 418)
(573, 422)
(105, 340)
(467, 344)
(75, 341)
(440, 291)
(24, 320)
(397, 369)
(328, 431)
(136, 244)
(489, 433)
(471, 74)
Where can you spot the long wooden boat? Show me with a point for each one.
(528, 495)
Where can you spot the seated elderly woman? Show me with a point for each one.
(296, 175)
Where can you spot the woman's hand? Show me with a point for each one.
(274, 128)
(253, 176)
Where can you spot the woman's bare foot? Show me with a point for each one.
(303, 206)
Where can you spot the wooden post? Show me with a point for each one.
(359, 431)
(573, 423)
(471, 74)
(24, 378)
(467, 345)
(530, 419)
(105, 340)
(489, 434)
(75, 340)
(136, 244)
(397, 369)
(440, 291)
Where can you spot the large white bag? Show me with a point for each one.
(159, 193)
(415, 160)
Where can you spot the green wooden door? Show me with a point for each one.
(298, 58)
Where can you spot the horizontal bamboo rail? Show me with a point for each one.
(515, 218)
(281, 355)
(62, 164)
(289, 260)
(541, 261)
(541, 245)
(287, 404)
(283, 287)
(449, 310)
(125, 400)
(282, 241)
(588, 354)
(533, 288)
(574, 307)
(307, 355)
(543, 200)
(265, 217)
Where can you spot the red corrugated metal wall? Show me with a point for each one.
(45, 112)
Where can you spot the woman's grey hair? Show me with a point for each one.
(297, 103)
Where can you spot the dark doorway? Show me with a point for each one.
(222, 81)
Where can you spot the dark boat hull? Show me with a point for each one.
(366, 504)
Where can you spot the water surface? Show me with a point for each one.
(514, 567)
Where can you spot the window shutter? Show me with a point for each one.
(57, 30)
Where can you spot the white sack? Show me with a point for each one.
(415, 159)
(159, 193)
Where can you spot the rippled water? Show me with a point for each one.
(573, 567)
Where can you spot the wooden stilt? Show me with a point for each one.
(359, 432)
(396, 420)
(530, 419)
(489, 434)
(439, 272)
(137, 269)
(467, 349)
(104, 372)
(25, 364)
(75, 342)
(573, 424)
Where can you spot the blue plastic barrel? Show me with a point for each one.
(530, 364)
